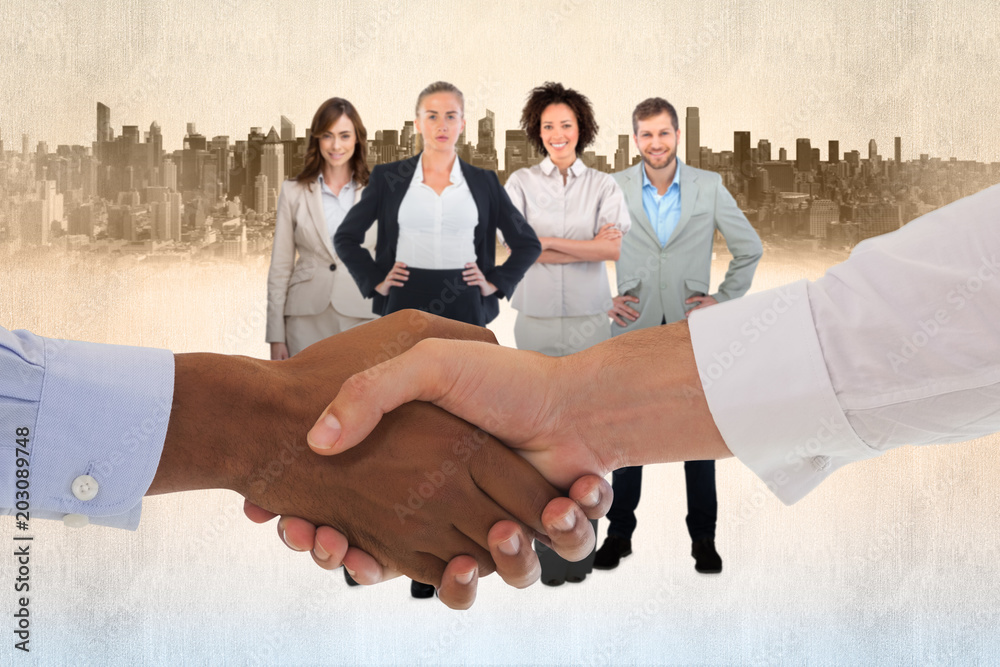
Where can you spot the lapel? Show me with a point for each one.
(314, 202)
(633, 197)
(689, 196)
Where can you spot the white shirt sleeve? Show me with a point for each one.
(95, 418)
(899, 344)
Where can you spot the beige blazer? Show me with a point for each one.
(316, 279)
(664, 277)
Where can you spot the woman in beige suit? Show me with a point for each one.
(312, 296)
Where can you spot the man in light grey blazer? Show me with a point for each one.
(663, 275)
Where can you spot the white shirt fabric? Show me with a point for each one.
(577, 210)
(899, 344)
(336, 205)
(437, 232)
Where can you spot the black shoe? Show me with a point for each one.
(611, 552)
(347, 577)
(419, 590)
(706, 558)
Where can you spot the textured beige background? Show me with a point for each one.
(890, 561)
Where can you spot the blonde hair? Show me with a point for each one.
(441, 87)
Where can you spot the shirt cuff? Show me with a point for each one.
(103, 412)
(769, 391)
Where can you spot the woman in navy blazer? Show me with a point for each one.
(449, 292)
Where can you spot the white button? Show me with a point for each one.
(76, 520)
(84, 487)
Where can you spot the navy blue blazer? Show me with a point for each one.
(381, 200)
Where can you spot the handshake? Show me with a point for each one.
(443, 454)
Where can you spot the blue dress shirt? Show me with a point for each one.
(663, 212)
(90, 409)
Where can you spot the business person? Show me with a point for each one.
(93, 428)
(796, 381)
(437, 225)
(579, 215)
(663, 272)
(312, 297)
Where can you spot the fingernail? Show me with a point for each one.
(349, 571)
(510, 546)
(320, 552)
(465, 577)
(284, 536)
(566, 522)
(325, 433)
(591, 499)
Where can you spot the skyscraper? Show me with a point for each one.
(803, 155)
(25, 142)
(169, 178)
(155, 148)
(487, 133)
(287, 129)
(833, 154)
(260, 189)
(764, 150)
(899, 151)
(621, 155)
(782, 155)
(742, 164)
(692, 126)
(104, 132)
(872, 151)
(273, 164)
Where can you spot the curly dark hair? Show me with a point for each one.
(549, 93)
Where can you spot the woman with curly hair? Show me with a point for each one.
(580, 216)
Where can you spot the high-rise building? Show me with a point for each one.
(487, 134)
(287, 129)
(406, 138)
(782, 155)
(219, 147)
(872, 151)
(763, 150)
(815, 161)
(803, 155)
(273, 164)
(692, 126)
(34, 222)
(254, 148)
(169, 178)
(833, 152)
(174, 201)
(821, 213)
(742, 164)
(260, 189)
(155, 150)
(104, 131)
(159, 222)
(898, 154)
(622, 154)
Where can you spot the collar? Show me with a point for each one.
(456, 170)
(323, 186)
(577, 168)
(676, 181)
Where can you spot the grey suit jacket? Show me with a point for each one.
(663, 278)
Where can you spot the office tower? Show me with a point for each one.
(815, 161)
(822, 212)
(260, 193)
(803, 155)
(899, 151)
(174, 201)
(88, 176)
(273, 162)
(782, 155)
(210, 177)
(872, 151)
(130, 134)
(169, 178)
(692, 126)
(515, 152)
(487, 132)
(219, 147)
(159, 221)
(742, 164)
(155, 150)
(104, 131)
(833, 152)
(406, 138)
(764, 150)
(34, 222)
(622, 154)
(781, 175)
(287, 129)
(251, 167)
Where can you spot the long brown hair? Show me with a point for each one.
(329, 113)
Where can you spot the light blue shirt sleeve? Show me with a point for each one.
(89, 409)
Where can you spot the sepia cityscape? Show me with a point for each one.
(216, 198)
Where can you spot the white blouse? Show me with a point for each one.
(437, 231)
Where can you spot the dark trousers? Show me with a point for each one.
(703, 507)
(440, 292)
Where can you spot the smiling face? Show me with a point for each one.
(657, 140)
(440, 121)
(337, 142)
(560, 133)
